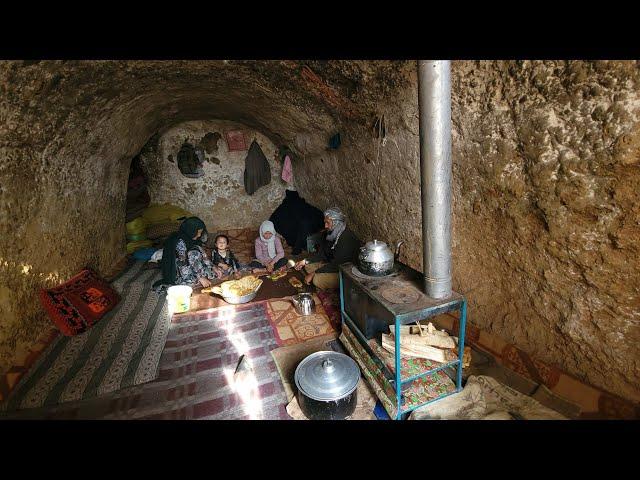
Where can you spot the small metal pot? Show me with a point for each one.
(303, 303)
(327, 385)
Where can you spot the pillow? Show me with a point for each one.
(79, 303)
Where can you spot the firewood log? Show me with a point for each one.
(424, 351)
(426, 338)
(415, 350)
(413, 329)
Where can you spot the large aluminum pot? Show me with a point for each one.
(327, 385)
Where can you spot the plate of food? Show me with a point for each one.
(237, 291)
(295, 282)
(277, 275)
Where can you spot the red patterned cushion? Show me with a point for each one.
(77, 304)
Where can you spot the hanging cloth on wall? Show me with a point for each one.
(257, 172)
(287, 170)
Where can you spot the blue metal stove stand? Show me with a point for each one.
(368, 314)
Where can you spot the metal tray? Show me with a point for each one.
(243, 299)
(235, 300)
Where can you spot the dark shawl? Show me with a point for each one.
(188, 229)
(295, 219)
(257, 172)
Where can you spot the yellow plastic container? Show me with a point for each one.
(179, 298)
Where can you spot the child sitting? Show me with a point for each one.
(224, 258)
(269, 251)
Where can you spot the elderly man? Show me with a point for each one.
(339, 246)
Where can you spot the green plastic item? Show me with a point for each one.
(136, 237)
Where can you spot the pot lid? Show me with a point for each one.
(375, 245)
(327, 376)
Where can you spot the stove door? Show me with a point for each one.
(368, 314)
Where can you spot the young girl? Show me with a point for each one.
(224, 258)
(269, 251)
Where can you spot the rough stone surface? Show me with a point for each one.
(68, 132)
(545, 203)
(218, 197)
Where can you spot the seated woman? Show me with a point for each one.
(269, 251)
(184, 261)
(339, 246)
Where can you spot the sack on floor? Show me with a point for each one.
(136, 237)
(484, 398)
(166, 213)
(79, 303)
(136, 227)
(133, 246)
(161, 230)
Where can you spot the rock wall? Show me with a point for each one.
(545, 204)
(218, 197)
(545, 175)
(68, 132)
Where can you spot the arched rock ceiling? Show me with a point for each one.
(281, 98)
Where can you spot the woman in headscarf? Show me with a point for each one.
(269, 251)
(339, 246)
(184, 261)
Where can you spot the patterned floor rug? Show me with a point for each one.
(331, 303)
(122, 349)
(291, 328)
(196, 374)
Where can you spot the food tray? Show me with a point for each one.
(235, 300)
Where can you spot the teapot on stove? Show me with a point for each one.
(376, 258)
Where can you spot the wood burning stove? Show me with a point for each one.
(370, 304)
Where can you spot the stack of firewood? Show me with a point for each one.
(425, 342)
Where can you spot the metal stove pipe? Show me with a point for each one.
(434, 101)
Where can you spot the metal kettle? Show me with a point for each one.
(303, 303)
(377, 259)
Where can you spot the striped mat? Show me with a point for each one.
(121, 350)
(196, 378)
